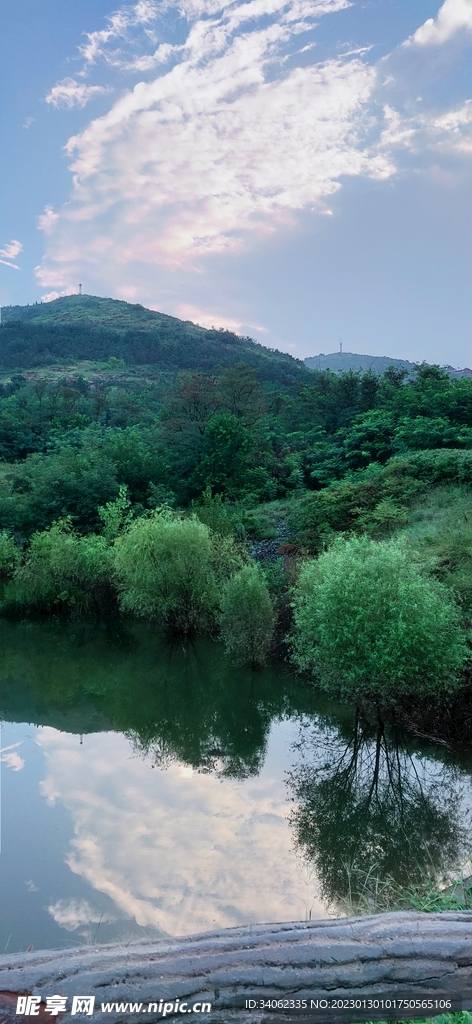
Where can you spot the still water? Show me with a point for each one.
(155, 789)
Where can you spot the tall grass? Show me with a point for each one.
(440, 531)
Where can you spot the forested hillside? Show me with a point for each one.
(196, 479)
(79, 327)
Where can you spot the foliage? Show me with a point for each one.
(428, 432)
(214, 512)
(247, 616)
(165, 571)
(440, 533)
(224, 459)
(375, 499)
(116, 515)
(9, 555)
(369, 439)
(373, 627)
(378, 498)
(63, 571)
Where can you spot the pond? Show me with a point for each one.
(151, 788)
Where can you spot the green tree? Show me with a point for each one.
(372, 626)
(225, 455)
(428, 432)
(247, 616)
(369, 439)
(165, 571)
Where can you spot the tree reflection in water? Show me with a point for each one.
(175, 702)
(374, 815)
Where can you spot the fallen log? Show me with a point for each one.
(397, 956)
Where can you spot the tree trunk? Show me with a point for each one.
(406, 955)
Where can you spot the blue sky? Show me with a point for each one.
(296, 170)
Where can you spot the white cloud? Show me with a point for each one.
(119, 28)
(185, 311)
(453, 16)
(47, 220)
(448, 133)
(70, 93)
(10, 252)
(227, 144)
(11, 757)
(228, 137)
(50, 296)
(166, 848)
(74, 913)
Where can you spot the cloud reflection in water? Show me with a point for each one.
(178, 850)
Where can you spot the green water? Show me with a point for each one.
(152, 788)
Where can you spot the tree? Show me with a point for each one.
(430, 432)
(224, 455)
(165, 571)
(369, 439)
(373, 627)
(247, 616)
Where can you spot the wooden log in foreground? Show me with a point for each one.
(392, 956)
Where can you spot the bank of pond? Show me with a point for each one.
(373, 621)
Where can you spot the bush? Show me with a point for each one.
(213, 511)
(372, 626)
(9, 555)
(439, 465)
(62, 571)
(247, 616)
(165, 571)
(375, 499)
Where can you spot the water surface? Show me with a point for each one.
(150, 788)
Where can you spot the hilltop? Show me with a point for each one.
(341, 362)
(88, 327)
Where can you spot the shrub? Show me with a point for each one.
(372, 626)
(376, 498)
(439, 465)
(247, 616)
(116, 515)
(165, 571)
(213, 511)
(9, 555)
(62, 571)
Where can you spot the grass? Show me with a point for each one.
(370, 894)
(440, 531)
(375, 896)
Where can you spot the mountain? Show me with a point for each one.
(87, 327)
(340, 362)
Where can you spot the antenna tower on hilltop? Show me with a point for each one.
(340, 346)
(80, 289)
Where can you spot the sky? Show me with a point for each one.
(294, 170)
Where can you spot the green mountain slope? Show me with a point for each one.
(79, 327)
